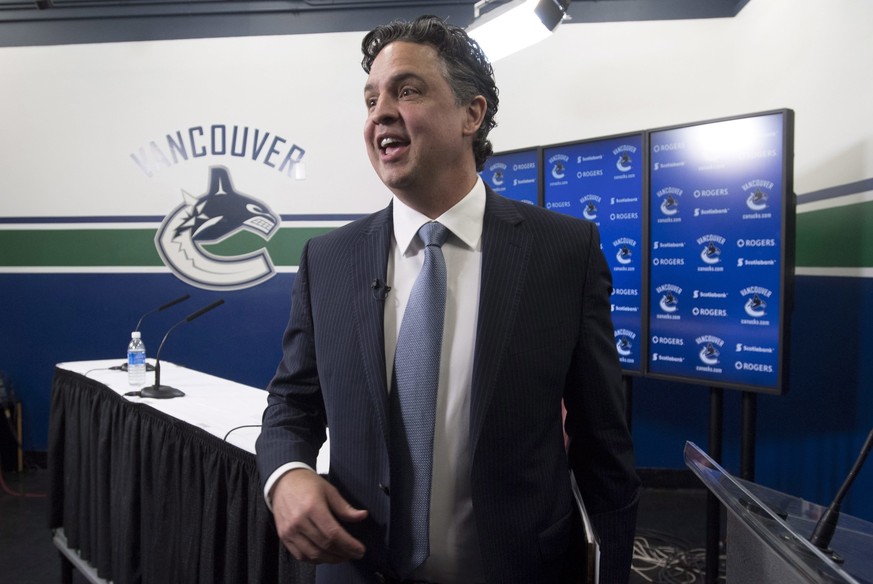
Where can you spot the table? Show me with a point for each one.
(162, 491)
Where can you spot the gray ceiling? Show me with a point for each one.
(42, 22)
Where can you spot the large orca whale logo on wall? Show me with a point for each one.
(212, 218)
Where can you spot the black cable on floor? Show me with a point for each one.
(662, 558)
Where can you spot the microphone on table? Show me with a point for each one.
(139, 323)
(157, 390)
(160, 308)
(827, 524)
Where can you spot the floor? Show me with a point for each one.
(670, 534)
(27, 555)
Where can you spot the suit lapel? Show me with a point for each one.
(370, 262)
(506, 247)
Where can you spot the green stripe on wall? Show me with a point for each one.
(284, 247)
(836, 237)
(833, 237)
(132, 247)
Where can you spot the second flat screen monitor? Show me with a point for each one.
(601, 181)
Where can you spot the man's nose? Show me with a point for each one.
(383, 112)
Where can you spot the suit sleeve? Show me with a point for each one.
(600, 448)
(294, 419)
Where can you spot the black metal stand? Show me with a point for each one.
(713, 506)
(161, 392)
(747, 446)
(747, 467)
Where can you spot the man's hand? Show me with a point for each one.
(307, 509)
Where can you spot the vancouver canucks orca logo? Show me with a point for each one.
(755, 306)
(623, 345)
(757, 200)
(709, 354)
(209, 219)
(669, 206)
(669, 302)
(623, 163)
(497, 178)
(710, 254)
(623, 255)
(590, 211)
(558, 170)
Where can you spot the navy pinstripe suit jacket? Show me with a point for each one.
(544, 334)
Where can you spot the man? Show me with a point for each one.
(526, 327)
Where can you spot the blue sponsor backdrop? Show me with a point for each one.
(715, 287)
(601, 180)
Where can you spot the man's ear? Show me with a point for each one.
(475, 114)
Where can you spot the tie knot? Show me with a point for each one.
(433, 233)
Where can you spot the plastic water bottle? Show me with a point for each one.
(136, 360)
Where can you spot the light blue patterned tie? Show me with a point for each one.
(413, 405)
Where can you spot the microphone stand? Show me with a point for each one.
(149, 367)
(160, 308)
(827, 524)
(158, 391)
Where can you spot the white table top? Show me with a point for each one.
(226, 409)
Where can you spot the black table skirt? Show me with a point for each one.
(147, 498)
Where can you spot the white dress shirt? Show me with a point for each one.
(454, 545)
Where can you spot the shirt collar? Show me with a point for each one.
(464, 220)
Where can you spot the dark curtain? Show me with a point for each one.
(147, 498)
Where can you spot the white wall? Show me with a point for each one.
(70, 116)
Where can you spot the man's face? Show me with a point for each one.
(417, 136)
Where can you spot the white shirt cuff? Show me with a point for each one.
(277, 474)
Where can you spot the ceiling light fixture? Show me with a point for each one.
(515, 25)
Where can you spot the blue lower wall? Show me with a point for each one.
(54, 318)
(807, 439)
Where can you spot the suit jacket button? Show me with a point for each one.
(385, 489)
(379, 576)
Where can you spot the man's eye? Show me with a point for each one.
(407, 91)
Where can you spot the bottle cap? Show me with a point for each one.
(135, 335)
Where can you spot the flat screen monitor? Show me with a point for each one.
(515, 174)
(721, 238)
(601, 180)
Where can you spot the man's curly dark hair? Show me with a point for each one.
(468, 71)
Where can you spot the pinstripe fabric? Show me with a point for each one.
(544, 334)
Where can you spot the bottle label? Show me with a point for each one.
(136, 358)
